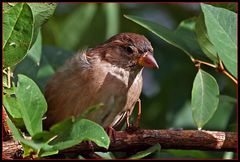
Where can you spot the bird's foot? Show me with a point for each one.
(111, 132)
(132, 128)
(89, 153)
(137, 123)
(89, 145)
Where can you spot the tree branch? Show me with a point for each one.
(168, 139)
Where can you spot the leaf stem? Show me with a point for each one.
(219, 67)
(199, 62)
(52, 138)
(230, 76)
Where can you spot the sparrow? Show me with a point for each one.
(110, 73)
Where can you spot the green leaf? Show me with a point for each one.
(27, 151)
(227, 100)
(183, 38)
(47, 153)
(186, 26)
(187, 154)
(203, 39)
(33, 104)
(35, 51)
(38, 148)
(230, 6)
(91, 109)
(6, 89)
(83, 15)
(9, 91)
(17, 35)
(43, 136)
(18, 136)
(71, 132)
(112, 17)
(205, 98)
(105, 155)
(228, 155)
(221, 27)
(12, 106)
(41, 13)
(46, 69)
(146, 152)
(12, 4)
(26, 67)
(183, 118)
(6, 7)
(225, 109)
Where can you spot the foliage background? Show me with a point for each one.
(166, 92)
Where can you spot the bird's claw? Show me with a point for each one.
(111, 132)
(135, 127)
(132, 128)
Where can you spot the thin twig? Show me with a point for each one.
(224, 71)
(230, 76)
(219, 67)
(203, 62)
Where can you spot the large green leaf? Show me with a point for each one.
(71, 132)
(75, 25)
(41, 13)
(203, 40)
(183, 37)
(112, 17)
(32, 102)
(17, 35)
(205, 98)
(221, 27)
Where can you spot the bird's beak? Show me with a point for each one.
(147, 60)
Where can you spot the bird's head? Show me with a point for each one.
(128, 50)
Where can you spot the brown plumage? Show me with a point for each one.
(110, 73)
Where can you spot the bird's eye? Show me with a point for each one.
(129, 49)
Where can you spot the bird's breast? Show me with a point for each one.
(114, 89)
